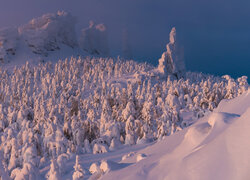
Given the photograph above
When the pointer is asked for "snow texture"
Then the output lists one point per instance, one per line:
(216, 147)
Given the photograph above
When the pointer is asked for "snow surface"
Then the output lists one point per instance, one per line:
(216, 147)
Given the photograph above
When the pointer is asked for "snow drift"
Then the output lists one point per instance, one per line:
(217, 147)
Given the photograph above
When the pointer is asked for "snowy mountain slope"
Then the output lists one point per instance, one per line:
(216, 147)
(49, 38)
(39, 38)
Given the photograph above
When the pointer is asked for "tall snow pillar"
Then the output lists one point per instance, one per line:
(171, 61)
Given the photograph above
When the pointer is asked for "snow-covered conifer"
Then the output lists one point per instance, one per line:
(78, 171)
(53, 173)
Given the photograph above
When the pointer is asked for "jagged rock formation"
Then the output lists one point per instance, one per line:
(48, 32)
(40, 36)
(172, 61)
(94, 39)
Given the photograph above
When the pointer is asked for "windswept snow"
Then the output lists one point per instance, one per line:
(216, 147)
(238, 105)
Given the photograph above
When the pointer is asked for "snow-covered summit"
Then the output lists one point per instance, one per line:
(47, 38)
(47, 33)
(171, 61)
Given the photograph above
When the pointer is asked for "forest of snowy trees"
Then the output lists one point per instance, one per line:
(95, 105)
(53, 112)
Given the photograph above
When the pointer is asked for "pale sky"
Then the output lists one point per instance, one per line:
(215, 34)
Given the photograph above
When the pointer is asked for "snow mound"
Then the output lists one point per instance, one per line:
(94, 168)
(48, 32)
(124, 157)
(140, 157)
(237, 105)
(197, 133)
(100, 148)
(107, 165)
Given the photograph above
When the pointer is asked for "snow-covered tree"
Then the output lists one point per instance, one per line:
(129, 129)
(78, 170)
(53, 173)
(30, 166)
(78, 106)
(3, 172)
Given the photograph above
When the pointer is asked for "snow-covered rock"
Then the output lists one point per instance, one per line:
(172, 61)
(47, 33)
